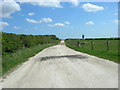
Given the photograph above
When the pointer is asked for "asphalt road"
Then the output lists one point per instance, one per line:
(61, 67)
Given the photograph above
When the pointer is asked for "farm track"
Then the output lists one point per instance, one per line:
(61, 67)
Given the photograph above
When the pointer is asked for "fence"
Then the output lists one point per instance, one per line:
(98, 45)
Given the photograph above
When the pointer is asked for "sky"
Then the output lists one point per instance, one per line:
(63, 19)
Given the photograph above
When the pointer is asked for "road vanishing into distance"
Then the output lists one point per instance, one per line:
(61, 67)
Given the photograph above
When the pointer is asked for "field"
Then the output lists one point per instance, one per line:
(107, 49)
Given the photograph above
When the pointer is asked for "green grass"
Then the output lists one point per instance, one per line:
(9, 61)
(99, 48)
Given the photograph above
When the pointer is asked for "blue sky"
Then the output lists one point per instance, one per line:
(93, 19)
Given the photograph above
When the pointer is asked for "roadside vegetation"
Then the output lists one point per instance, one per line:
(103, 48)
(16, 49)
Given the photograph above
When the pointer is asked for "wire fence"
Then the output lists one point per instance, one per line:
(97, 45)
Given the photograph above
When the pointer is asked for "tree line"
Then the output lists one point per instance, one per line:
(13, 42)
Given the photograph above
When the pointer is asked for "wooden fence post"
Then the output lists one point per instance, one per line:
(107, 43)
(92, 45)
(78, 44)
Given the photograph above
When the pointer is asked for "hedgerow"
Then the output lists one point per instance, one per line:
(13, 42)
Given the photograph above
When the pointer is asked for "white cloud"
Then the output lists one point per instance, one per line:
(16, 27)
(47, 3)
(44, 3)
(74, 2)
(45, 20)
(92, 8)
(31, 14)
(3, 24)
(8, 8)
(31, 20)
(90, 23)
(57, 24)
(50, 3)
(66, 22)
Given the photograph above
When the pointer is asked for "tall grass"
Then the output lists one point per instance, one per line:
(11, 60)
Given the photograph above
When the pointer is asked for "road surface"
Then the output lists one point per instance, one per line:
(61, 67)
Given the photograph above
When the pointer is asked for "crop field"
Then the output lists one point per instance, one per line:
(107, 49)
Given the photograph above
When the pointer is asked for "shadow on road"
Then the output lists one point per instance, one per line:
(64, 56)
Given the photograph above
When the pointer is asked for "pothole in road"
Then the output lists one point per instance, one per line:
(63, 56)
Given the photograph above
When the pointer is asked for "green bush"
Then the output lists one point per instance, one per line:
(11, 60)
(17, 49)
(12, 42)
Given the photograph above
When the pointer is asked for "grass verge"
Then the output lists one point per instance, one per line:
(11, 60)
(102, 54)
